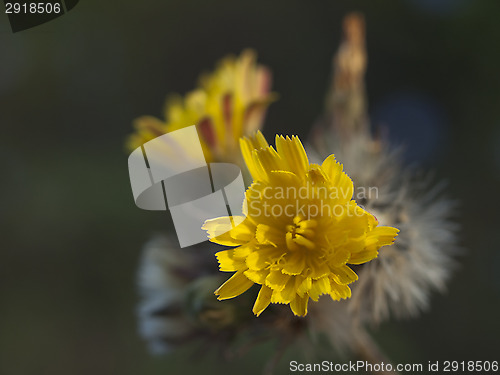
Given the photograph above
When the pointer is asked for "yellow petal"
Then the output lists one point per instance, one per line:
(277, 280)
(304, 287)
(232, 260)
(233, 287)
(319, 268)
(295, 263)
(380, 236)
(363, 256)
(289, 291)
(248, 145)
(319, 287)
(339, 291)
(341, 181)
(263, 300)
(316, 176)
(299, 305)
(262, 257)
(267, 235)
(293, 154)
(218, 230)
(148, 128)
(353, 245)
(269, 158)
(340, 256)
(301, 240)
(344, 275)
(276, 297)
(265, 161)
(258, 277)
(287, 180)
(290, 243)
(222, 231)
(259, 141)
(244, 231)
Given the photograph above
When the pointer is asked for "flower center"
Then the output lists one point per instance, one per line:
(300, 234)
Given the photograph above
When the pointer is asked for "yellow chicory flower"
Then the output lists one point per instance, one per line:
(229, 103)
(301, 231)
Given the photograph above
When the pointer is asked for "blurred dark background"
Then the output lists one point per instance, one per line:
(69, 90)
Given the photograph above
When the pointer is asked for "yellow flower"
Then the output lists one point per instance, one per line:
(229, 103)
(301, 229)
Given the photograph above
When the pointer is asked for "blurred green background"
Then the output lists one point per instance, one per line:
(69, 90)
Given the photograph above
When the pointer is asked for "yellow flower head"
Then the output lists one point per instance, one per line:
(229, 103)
(301, 229)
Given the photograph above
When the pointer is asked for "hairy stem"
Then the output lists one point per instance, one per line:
(369, 351)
